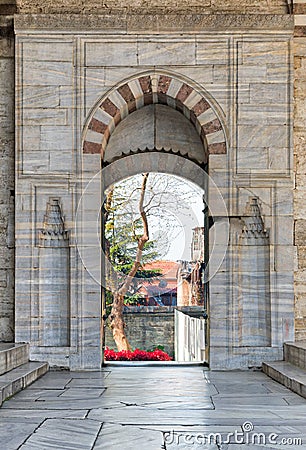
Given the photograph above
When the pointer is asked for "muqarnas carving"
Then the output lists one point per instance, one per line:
(54, 292)
(254, 314)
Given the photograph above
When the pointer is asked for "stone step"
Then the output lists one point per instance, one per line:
(19, 378)
(12, 356)
(287, 374)
(295, 353)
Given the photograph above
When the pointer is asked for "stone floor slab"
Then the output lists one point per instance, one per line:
(134, 407)
(53, 380)
(14, 432)
(118, 437)
(64, 434)
(42, 414)
(82, 393)
(149, 416)
(38, 394)
(249, 400)
(59, 403)
(89, 375)
(87, 383)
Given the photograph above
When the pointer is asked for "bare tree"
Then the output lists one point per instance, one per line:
(116, 315)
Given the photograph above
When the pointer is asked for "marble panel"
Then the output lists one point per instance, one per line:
(67, 97)
(40, 97)
(260, 53)
(51, 50)
(45, 116)
(268, 93)
(284, 257)
(283, 232)
(212, 52)
(61, 161)
(262, 136)
(159, 52)
(264, 114)
(278, 73)
(47, 73)
(91, 164)
(279, 159)
(116, 74)
(33, 163)
(56, 138)
(30, 138)
(204, 74)
(111, 53)
(252, 159)
(247, 74)
(221, 74)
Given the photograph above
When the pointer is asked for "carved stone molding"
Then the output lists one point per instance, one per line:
(253, 222)
(53, 233)
(126, 22)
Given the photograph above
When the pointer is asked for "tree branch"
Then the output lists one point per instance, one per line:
(141, 241)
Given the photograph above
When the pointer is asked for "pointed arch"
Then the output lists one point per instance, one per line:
(146, 89)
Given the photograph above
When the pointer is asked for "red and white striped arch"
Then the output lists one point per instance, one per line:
(148, 89)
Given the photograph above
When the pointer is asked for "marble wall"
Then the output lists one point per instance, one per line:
(7, 185)
(232, 83)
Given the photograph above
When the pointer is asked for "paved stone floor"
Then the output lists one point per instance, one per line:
(152, 408)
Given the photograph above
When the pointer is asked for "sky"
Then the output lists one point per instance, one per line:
(174, 207)
(185, 218)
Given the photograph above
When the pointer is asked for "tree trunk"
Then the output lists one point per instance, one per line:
(117, 323)
(116, 315)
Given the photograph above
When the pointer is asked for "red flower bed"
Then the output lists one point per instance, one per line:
(136, 355)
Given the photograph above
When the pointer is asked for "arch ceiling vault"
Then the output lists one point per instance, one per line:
(152, 88)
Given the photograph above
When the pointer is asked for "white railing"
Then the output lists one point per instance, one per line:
(189, 338)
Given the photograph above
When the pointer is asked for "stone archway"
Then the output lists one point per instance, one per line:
(154, 87)
(95, 264)
(55, 161)
(152, 94)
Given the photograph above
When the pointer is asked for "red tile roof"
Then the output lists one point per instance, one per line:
(169, 275)
(167, 268)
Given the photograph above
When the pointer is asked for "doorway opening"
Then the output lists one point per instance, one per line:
(153, 123)
(155, 301)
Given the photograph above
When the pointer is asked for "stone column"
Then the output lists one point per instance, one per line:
(54, 277)
(254, 314)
